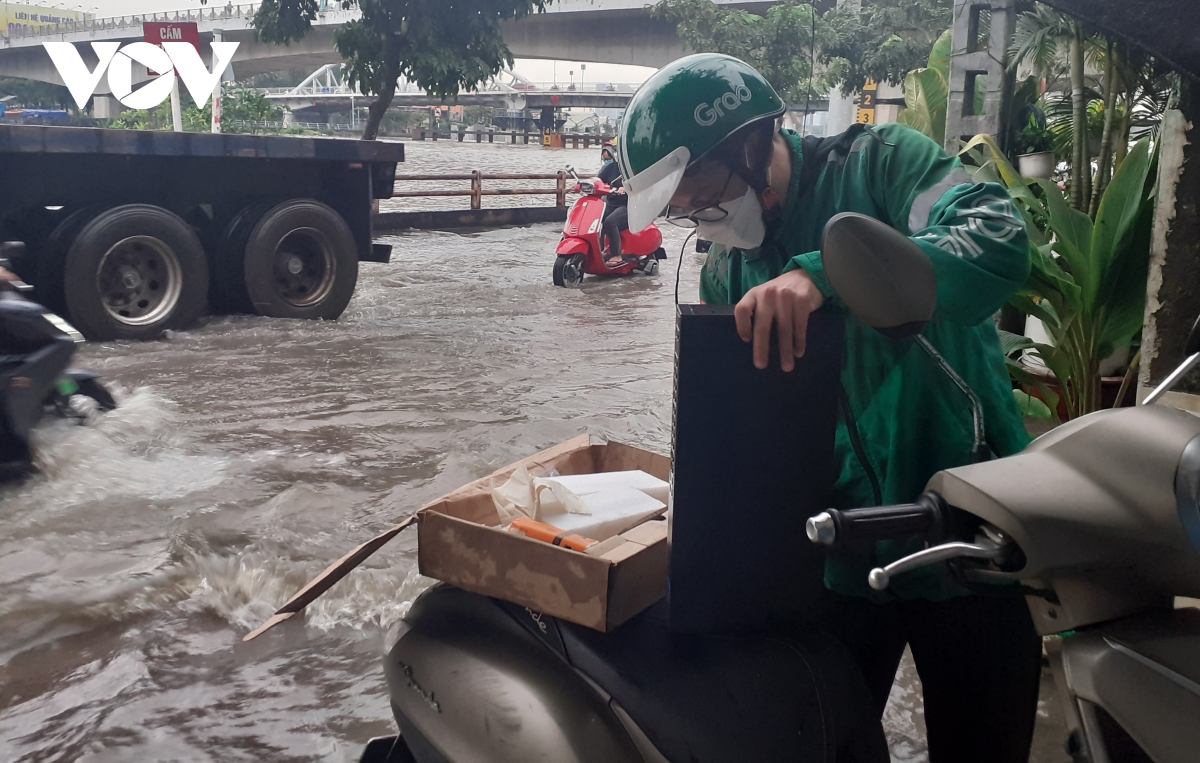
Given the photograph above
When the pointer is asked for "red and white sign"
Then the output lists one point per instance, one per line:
(158, 32)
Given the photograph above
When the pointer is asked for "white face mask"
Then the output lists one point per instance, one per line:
(743, 227)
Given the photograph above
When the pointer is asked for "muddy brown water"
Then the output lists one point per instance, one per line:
(248, 453)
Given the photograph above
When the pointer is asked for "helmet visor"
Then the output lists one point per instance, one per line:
(651, 189)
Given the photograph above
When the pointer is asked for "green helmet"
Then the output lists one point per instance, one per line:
(686, 109)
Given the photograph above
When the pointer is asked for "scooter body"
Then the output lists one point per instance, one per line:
(474, 679)
(36, 348)
(582, 251)
(1105, 513)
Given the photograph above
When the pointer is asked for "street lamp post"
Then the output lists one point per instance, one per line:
(218, 36)
(582, 69)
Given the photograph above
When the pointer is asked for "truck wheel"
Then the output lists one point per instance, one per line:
(52, 258)
(133, 272)
(228, 288)
(301, 261)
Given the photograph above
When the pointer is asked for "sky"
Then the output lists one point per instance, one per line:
(536, 70)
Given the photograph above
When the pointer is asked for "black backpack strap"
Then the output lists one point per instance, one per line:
(815, 154)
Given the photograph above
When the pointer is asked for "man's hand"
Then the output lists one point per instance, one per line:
(8, 276)
(786, 301)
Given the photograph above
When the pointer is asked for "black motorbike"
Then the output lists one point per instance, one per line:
(36, 380)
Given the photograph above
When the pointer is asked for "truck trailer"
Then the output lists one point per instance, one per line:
(130, 233)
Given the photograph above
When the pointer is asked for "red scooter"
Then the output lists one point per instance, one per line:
(580, 251)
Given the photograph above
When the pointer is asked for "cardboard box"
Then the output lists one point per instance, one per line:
(460, 542)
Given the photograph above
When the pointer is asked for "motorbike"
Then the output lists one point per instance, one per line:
(36, 380)
(582, 252)
(1097, 523)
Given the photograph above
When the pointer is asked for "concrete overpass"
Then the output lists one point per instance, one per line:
(618, 31)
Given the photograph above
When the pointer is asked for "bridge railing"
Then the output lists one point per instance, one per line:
(213, 13)
(477, 191)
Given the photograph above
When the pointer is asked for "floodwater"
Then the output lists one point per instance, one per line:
(248, 453)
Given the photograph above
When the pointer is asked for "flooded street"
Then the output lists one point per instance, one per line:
(248, 453)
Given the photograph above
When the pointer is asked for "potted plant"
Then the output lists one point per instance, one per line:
(1087, 284)
(1035, 147)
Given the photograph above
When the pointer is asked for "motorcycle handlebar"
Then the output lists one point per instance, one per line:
(924, 518)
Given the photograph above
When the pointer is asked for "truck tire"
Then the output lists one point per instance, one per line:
(228, 286)
(52, 258)
(300, 262)
(133, 272)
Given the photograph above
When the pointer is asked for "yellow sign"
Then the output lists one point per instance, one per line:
(18, 18)
(866, 103)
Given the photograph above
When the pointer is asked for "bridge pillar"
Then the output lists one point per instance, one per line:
(106, 107)
(546, 120)
(289, 118)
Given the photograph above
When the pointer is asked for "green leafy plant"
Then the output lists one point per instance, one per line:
(1088, 279)
(926, 93)
(1035, 137)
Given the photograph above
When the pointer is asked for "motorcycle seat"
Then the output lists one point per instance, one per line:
(717, 698)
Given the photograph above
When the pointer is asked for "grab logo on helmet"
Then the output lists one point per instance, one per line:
(708, 113)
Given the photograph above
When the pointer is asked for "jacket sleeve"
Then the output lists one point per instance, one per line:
(973, 233)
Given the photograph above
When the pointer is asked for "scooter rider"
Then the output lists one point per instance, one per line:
(616, 216)
(700, 138)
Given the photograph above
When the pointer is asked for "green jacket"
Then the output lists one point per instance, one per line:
(913, 420)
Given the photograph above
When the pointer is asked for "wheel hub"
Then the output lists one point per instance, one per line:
(130, 279)
(139, 280)
(305, 268)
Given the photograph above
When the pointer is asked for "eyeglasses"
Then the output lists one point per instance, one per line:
(709, 213)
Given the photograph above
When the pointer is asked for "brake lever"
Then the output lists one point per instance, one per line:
(880, 577)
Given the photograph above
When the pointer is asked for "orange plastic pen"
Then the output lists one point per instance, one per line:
(550, 534)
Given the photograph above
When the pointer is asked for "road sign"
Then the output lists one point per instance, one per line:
(866, 103)
(158, 32)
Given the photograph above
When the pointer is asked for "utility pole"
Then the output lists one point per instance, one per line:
(216, 96)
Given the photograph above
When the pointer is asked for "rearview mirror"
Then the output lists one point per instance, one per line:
(880, 274)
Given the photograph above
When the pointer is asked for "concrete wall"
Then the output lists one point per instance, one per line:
(1173, 299)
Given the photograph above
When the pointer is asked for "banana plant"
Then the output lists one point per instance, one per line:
(927, 92)
(1088, 279)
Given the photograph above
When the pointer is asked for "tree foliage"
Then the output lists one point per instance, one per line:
(238, 104)
(35, 95)
(1101, 94)
(443, 46)
(883, 41)
(779, 45)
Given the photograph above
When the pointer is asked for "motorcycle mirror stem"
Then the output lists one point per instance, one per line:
(1192, 357)
(885, 279)
(571, 170)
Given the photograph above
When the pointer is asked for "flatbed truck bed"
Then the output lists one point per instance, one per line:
(133, 232)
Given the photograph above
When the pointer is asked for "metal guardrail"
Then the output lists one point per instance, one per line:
(268, 124)
(514, 136)
(214, 13)
(477, 191)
